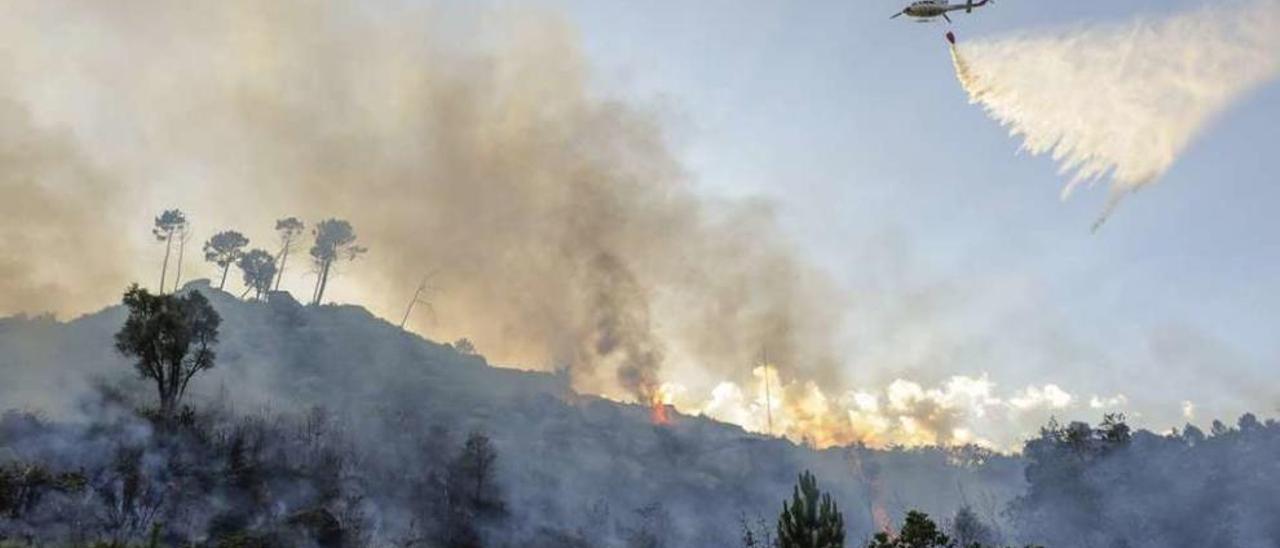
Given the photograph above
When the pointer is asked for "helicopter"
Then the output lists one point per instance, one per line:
(926, 10)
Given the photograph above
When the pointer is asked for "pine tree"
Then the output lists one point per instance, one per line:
(289, 229)
(335, 240)
(259, 269)
(169, 223)
(917, 532)
(224, 249)
(812, 520)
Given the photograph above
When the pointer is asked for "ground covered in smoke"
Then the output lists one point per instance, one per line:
(327, 426)
(341, 411)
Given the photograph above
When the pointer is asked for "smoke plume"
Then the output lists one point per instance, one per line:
(50, 194)
(456, 140)
(1121, 102)
(452, 137)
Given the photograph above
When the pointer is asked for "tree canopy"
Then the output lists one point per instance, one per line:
(224, 249)
(259, 269)
(334, 240)
(172, 339)
(288, 228)
(812, 520)
(168, 223)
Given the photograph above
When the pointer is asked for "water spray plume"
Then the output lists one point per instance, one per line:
(1122, 102)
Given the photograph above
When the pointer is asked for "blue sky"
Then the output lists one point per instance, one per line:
(855, 127)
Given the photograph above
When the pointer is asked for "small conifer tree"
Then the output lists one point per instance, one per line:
(812, 520)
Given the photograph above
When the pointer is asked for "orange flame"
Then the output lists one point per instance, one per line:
(879, 514)
(660, 407)
(659, 414)
(875, 490)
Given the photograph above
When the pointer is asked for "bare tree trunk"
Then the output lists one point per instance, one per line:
(168, 243)
(284, 256)
(166, 407)
(408, 310)
(324, 281)
(417, 294)
(182, 251)
(224, 276)
(160, 390)
(168, 403)
(315, 290)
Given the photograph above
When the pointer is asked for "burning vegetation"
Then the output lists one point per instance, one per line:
(455, 453)
(566, 233)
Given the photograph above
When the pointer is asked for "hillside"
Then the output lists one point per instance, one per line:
(567, 464)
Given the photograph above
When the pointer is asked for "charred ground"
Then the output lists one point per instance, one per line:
(324, 425)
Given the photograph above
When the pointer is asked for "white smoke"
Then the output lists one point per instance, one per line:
(1121, 102)
(959, 410)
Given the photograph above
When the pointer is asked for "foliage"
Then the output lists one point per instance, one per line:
(1090, 486)
(224, 249)
(172, 339)
(131, 498)
(812, 520)
(473, 497)
(288, 228)
(334, 241)
(464, 346)
(967, 530)
(918, 531)
(384, 471)
(168, 223)
(259, 269)
(23, 485)
(198, 480)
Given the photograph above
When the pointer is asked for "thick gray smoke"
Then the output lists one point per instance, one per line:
(565, 233)
(1122, 102)
(50, 195)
